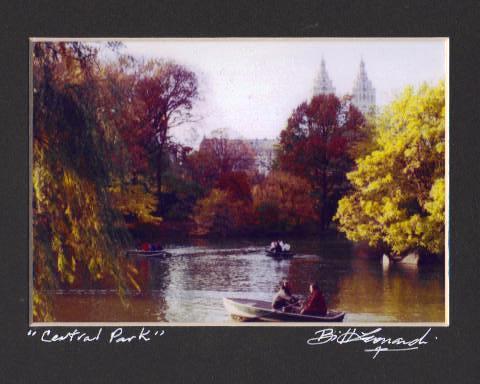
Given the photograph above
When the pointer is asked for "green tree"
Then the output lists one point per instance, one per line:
(398, 197)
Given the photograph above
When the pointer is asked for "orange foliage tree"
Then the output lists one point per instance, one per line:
(220, 214)
(237, 185)
(283, 202)
(224, 165)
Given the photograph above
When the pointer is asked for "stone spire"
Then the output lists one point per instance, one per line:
(363, 93)
(323, 84)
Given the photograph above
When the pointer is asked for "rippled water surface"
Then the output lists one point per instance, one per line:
(189, 286)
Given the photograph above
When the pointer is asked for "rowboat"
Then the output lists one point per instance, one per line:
(139, 252)
(279, 254)
(258, 310)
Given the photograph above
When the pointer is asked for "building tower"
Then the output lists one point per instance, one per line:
(323, 84)
(363, 94)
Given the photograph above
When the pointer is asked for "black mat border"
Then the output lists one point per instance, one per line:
(208, 354)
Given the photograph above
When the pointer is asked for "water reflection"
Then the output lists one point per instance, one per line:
(398, 293)
(189, 286)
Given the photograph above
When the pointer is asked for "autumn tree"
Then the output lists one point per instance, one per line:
(77, 232)
(317, 145)
(398, 199)
(283, 202)
(220, 155)
(220, 214)
(180, 190)
(167, 92)
(237, 184)
(133, 190)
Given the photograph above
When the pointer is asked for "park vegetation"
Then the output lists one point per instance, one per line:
(105, 163)
(397, 199)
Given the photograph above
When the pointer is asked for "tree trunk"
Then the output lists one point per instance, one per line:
(162, 141)
(159, 181)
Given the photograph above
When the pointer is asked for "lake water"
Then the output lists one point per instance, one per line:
(189, 286)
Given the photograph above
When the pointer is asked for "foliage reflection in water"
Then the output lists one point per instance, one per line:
(189, 286)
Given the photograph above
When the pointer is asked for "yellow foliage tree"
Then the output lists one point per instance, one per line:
(135, 200)
(77, 232)
(398, 197)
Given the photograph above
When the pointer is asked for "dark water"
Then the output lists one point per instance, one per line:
(189, 286)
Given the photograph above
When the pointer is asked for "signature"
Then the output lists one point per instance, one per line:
(378, 343)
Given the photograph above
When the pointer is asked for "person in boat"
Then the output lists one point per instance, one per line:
(286, 247)
(156, 247)
(284, 300)
(145, 246)
(315, 303)
(278, 247)
(273, 244)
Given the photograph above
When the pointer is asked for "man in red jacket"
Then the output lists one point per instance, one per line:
(315, 304)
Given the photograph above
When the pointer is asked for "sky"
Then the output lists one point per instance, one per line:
(251, 86)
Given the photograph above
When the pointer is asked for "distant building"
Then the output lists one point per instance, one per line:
(263, 149)
(322, 84)
(363, 92)
(264, 153)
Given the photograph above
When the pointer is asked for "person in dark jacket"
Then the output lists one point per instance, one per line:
(315, 303)
(278, 247)
(284, 300)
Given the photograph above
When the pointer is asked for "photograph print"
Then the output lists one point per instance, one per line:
(278, 181)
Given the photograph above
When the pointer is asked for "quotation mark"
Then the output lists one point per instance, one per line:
(31, 333)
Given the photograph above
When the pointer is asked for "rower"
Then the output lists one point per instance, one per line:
(284, 300)
(278, 247)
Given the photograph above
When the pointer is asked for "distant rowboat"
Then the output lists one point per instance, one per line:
(138, 252)
(280, 254)
(257, 310)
